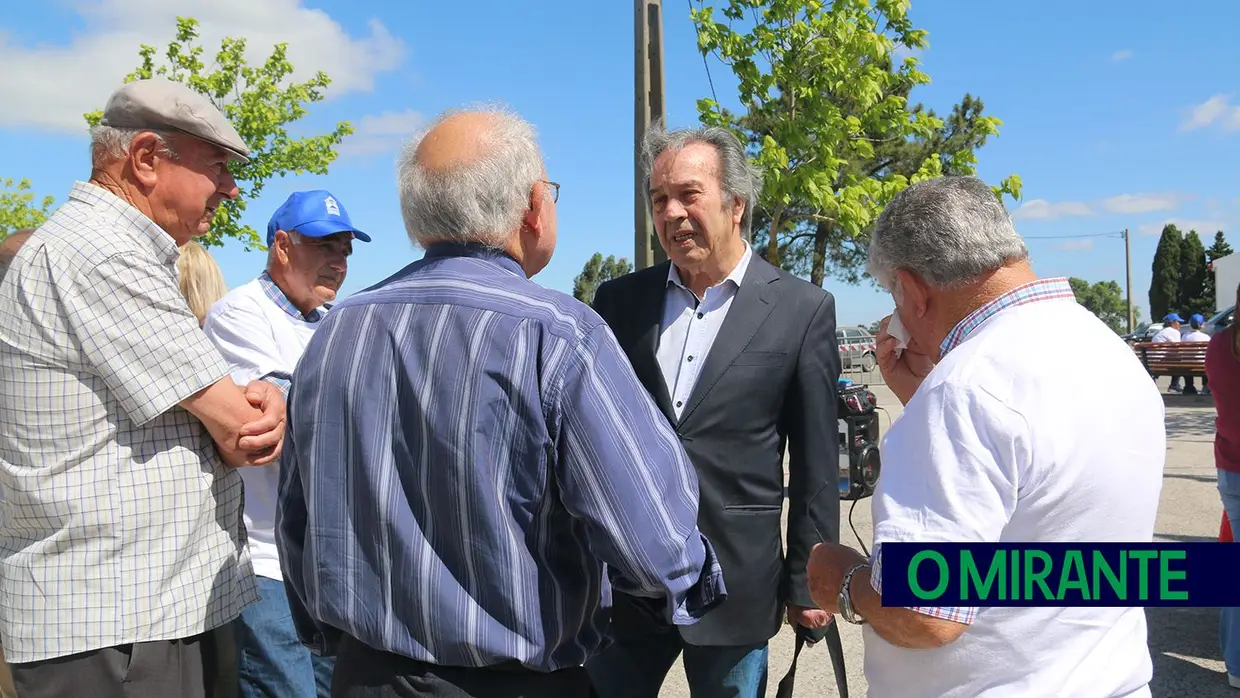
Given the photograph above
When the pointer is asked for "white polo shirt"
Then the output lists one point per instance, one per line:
(261, 335)
(989, 449)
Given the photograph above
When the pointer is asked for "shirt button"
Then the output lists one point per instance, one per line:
(690, 358)
(679, 403)
(700, 316)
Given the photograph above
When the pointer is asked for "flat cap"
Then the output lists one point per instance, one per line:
(159, 104)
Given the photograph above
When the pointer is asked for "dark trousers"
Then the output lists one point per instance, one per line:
(365, 672)
(187, 668)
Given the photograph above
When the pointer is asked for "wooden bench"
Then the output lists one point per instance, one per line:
(1173, 358)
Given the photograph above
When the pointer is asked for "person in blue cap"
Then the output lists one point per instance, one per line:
(1195, 334)
(1170, 333)
(262, 328)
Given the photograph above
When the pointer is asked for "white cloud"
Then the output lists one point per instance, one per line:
(1203, 227)
(1142, 203)
(51, 86)
(1218, 109)
(1075, 245)
(375, 134)
(1041, 209)
(1122, 55)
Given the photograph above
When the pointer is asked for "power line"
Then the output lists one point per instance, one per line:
(1118, 234)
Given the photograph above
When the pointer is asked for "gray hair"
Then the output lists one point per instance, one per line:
(949, 230)
(739, 178)
(478, 201)
(108, 143)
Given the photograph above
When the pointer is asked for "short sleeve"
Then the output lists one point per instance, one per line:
(951, 474)
(137, 333)
(243, 336)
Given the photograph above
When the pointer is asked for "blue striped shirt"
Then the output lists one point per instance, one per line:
(465, 452)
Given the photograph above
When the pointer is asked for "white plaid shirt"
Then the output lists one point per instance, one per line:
(120, 523)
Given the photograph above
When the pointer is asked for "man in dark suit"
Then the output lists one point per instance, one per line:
(742, 359)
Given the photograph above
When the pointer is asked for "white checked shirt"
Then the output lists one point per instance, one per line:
(120, 522)
(689, 328)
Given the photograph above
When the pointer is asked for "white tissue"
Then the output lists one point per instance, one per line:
(896, 329)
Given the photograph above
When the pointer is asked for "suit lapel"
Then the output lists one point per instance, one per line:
(648, 321)
(750, 307)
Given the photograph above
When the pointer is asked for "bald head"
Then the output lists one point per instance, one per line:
(11, 244)
(468, 178)
(457, 141)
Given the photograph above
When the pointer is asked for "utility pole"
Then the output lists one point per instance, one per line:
(1128, 277)
(649, 103)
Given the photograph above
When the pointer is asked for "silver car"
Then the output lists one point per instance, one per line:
(857, 348)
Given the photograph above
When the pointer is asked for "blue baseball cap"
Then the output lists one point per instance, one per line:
(1173, 317)
(1197, 320)
(314, 214)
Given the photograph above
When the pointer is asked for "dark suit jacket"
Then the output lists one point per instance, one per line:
(769, 380)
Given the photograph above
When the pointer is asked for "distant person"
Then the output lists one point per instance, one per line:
(1171, 333)
(984, 453)
(471, 456)
(1195, 335)
(120, 427)
(202, 282)
(1223, 371)
(262, 328)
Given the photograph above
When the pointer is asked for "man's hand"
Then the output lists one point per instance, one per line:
(828, 563)
(263, 438)
(904, 373)
(812, 618)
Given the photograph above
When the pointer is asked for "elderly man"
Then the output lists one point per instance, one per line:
(262, 328)
(984, 453)
(123, 545)
(467, 450)
(741, 359)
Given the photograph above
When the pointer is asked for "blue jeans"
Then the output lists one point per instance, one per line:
(636, 667)
(1229, 618)
(271, 661)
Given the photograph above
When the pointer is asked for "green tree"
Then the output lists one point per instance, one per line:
(827, 119)
(596, 271)
(1218, 250)
(1193, 277)
(19, 208)
(260, 101)
(1104, 299)
(1165, 273)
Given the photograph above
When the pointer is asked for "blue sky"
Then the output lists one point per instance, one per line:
(1116, 115)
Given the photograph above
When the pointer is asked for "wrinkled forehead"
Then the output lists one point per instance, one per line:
(695, 163)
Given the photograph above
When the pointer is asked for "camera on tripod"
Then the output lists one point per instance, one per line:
(859, 459)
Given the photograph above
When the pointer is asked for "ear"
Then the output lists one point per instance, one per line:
(143, 152)
(281, 243)
(532, 221)
(738, 210)
(914, 292)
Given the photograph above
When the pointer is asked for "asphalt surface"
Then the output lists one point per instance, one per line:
(1183, 642)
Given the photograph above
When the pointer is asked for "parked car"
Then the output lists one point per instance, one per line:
(857, 348)
(1220, 321)
(1144, 334)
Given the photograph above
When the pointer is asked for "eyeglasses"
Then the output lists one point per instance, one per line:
(555, 190)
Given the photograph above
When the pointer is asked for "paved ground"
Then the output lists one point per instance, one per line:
(1184, 642)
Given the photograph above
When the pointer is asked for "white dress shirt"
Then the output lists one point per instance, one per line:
(261, 335)
(983, 452)
(690, 326)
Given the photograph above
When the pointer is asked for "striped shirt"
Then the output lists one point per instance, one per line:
(121, 524)
(466, 450)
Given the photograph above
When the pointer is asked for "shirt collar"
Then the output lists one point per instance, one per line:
(146, 231)
(1032, 292)
(277, 296)
(443, 250)
(736, 277)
